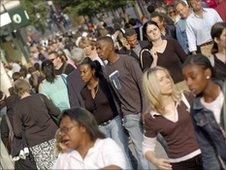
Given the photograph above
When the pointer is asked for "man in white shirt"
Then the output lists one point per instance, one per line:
(198, 26)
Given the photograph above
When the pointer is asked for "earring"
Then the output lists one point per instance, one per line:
(207, 77)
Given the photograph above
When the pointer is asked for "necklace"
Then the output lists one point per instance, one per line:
(94, 91)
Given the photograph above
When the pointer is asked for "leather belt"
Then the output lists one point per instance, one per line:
(207, 43)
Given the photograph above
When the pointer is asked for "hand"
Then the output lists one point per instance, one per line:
(155, 58)
(154, 54)
(162, 163)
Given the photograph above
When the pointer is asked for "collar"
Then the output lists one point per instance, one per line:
(194, 14)
(154, 113)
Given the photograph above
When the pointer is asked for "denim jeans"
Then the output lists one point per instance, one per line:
(115, 131)
(133, 125)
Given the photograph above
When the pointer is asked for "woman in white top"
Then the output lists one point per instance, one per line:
(169, 116)
(87, 147)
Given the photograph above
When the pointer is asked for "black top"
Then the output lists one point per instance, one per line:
(101, 106)
(66, 68)
(31, 115)
(219, 68)
(172, 59)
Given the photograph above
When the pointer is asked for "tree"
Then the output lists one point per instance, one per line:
(93, 7)
(37, 11)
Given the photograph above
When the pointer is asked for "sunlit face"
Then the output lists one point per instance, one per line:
(195, 77)
(71, 133)
(86, 73)
(158, 22)
(165, 84)
(196, 5)
(182, 10)
(153, 32)
(55, 59)
(88, 50)
(132, 40)
(222, 40)
(103, 50)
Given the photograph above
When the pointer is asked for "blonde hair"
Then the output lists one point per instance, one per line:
(21, 86)
(152, 91)
(59, 148)
(84, 42)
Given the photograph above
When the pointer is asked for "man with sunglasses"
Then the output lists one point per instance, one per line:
(60, 64)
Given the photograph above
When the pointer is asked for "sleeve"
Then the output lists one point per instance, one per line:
(74, 96)
(149, 130)
(148, 144)
(4, 129)
(180, 37)
(191, 37)
(113, 154)
(17, 122)
(55, 111)
(217, 16)
(180, 52)
(137, 74)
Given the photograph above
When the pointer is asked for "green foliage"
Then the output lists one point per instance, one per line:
(92, 7)
(33, 7)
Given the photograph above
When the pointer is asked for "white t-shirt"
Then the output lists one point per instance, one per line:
(105, 152)
(215, 106)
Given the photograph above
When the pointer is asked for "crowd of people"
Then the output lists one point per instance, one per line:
(102, 99)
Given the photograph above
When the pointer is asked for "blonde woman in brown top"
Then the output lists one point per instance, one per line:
(168, 116)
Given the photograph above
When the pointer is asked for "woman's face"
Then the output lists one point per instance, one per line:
(222, 40)
(71, 133)
(165, 84)
(153, 32)
(86, 73)
(88, 50)
(196, 78)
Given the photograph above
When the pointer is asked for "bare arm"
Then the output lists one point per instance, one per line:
(160, 163)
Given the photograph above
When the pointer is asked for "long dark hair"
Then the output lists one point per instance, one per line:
(200, 60)
(145, 31)
(216, 32)
(48, 70)
(84, 118)
(103, 83)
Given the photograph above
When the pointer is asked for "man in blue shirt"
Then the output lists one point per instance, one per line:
(183, 10)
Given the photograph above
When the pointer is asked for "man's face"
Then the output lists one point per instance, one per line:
(196, 5)
(56, 60)
(103, 49)
(132, 40)
(182, 10)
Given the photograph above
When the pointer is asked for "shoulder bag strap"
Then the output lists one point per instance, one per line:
(141, 57)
